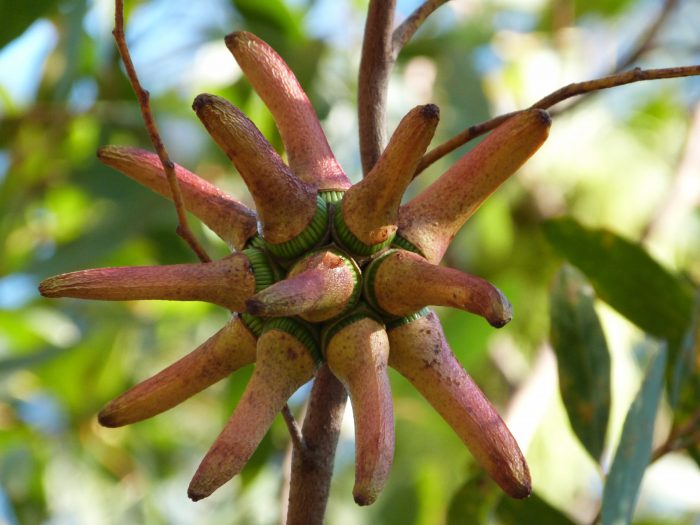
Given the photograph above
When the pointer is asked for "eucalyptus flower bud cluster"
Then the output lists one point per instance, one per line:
(322, 271)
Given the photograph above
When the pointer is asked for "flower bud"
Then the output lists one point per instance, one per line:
(319, 287)
(432, 219)
(229, 349)
(366, 220)
(284, 362)
(421, 354)
(229, 219)
(400, 282)
(285, 205)
(227, 282)
(310, 157)
(356, 350)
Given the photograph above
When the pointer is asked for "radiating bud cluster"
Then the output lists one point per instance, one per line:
(322, 271)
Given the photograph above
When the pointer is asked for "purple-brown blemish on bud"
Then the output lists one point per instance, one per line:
(227, 282)
(405, 282)
(282, 365)
(231, 220)
(310, 156)
(357, 355)
(420, 353)
(319, 287)
(229, 349)
(285, 205)
(371, 207)
(431, 220)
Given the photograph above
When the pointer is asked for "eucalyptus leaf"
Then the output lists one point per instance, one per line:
(634, 451)
(625, 276)
(583, 358)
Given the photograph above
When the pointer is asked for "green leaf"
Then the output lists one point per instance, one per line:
(531, 511)
(634, 451)
(273, 14)
(625, 276)
(582, 358)
(684, 364)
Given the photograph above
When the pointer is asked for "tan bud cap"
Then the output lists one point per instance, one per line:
(357, 355)
(371, 207)
(228, 218)
(420, 353)
(282, 365)
(405, 282)
(431, 220)
(227, 282)
(229, 349)
(319, 287)
(310, 156)
(285, 205)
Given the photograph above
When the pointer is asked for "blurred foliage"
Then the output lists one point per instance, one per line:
(611, 166)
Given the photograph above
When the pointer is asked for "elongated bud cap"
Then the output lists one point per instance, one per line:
(227, 282)
(310, 157)
(356, 350)
(370, 209)
(432, 219)
(284, 362)
(400, 282)
(229, 349)
(420, 353)
(321, 286)
(284, 204)
(229, 219)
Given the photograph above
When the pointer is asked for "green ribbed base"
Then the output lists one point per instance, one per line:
(299, 329)
(265, 271)
(310, 237)
(348, 240)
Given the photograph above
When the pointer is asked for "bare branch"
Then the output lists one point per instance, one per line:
(571, 90)
(405, 31)
(375, 67)
(143, 97)
(647, 39)
(312, 470)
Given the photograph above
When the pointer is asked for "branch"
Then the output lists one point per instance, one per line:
(313, 468)
(143, 96)
(294, 432)
(375, 67)
(646, 40)
(408, 27)
(571, 90)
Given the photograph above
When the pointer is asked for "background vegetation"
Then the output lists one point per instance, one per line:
(617, 184)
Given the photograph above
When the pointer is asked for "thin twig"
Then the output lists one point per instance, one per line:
(294, 430)
(143, 96)
(312, 471)
(566, 92)
(644, 44)
(373, 80)
(405, 31)
(647, 39)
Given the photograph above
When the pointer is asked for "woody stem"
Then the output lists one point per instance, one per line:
(183, 229)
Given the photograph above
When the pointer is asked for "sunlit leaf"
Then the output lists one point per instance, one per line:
(634, 451)
(582, 357)
(625, 276)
